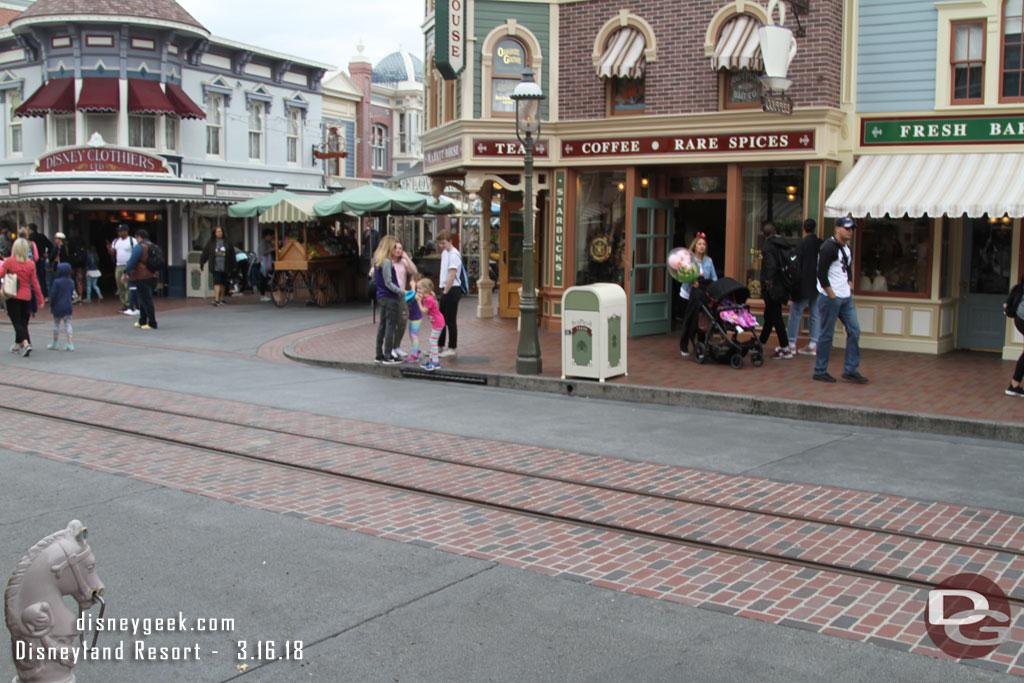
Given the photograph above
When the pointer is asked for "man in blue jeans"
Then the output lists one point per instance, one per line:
(137, 270)
(835, 301)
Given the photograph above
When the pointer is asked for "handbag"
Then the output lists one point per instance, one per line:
(10, 288)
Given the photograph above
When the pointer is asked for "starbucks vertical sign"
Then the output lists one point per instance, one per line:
(450, 30)
(559, 245)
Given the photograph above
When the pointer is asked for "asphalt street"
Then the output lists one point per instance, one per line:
(368, 609)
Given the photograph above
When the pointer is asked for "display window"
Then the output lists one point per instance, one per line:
(770, 194)
(600, 227)
(893, 255)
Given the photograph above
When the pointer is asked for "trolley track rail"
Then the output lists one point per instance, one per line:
(422, 490)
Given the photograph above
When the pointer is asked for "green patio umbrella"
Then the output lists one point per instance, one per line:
(257, 205)
(371, 199)
(442, 205)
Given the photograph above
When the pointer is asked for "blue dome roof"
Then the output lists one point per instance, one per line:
(398, 67)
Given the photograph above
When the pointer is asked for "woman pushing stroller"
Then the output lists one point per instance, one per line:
(694, 295)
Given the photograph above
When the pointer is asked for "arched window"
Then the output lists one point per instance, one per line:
(1012, 75)
(623, 65)
(737, 58)
(509, 59)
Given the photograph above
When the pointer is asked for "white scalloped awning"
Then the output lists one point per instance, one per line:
(738, 46)
(624, 56)
(932, 184)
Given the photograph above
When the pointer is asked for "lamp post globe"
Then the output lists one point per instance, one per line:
(528, 96)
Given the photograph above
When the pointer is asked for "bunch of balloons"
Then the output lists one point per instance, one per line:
(682, 266)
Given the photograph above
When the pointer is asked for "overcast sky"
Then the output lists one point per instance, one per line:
(323, 30)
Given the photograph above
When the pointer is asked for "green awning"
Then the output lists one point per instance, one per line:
(371, 199)
(440, 205)
(258, 205)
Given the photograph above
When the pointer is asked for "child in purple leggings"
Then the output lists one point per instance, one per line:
(415, 318)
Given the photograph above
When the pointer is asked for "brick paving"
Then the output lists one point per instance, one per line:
(819, 600)
(961, 384)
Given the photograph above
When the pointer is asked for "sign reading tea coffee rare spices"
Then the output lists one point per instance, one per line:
(450, 31)
(942, 130)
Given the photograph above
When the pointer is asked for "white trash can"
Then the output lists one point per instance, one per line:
(594, 331)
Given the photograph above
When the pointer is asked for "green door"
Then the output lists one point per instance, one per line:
(984, 284)
(650, 305)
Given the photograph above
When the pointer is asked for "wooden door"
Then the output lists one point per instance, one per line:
(510, 266)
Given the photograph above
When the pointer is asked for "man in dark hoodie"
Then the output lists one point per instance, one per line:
(774, 297)
(61, 295)
(145, 280)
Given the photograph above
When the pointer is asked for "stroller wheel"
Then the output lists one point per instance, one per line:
(700, 352)
(736, 361)
(756, 359)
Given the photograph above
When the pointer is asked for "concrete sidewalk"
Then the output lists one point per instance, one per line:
(959, 393)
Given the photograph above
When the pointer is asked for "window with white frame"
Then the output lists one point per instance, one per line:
(63, 130)
(102, 123)
(14, 146)
(967, 61)
(294, 136)
(379, 147)
(170, 134)
(215, 124)
(257, 119)
(142, 131)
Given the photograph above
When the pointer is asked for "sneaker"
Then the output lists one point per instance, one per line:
(684, 354)
(413, 358)
(855, 377)
(265, 299)
(1015, 391)
(447, 353)
(146, 327)
(430, 366)
(782, 353)
(379, 359)
(69, 347)
(399, 353)
(25, 350)
(138, 324)
(53, 346)
(809, 350)
(824, 377)
(15, 348)
(133, 311)
(391, 361)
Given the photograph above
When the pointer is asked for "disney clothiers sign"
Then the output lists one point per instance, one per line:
(100, 159)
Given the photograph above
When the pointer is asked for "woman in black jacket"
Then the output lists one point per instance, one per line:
(221, 255)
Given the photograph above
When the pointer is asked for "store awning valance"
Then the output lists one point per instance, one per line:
(53, 97)
(146, 97)
(184, 106)
(260, 205)
(99, 95)
(624, 56)
(738, 46)
(290, 211)
(932, 184)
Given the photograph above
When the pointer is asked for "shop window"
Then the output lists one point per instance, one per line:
(104, 124)
(740, 88)
(991, 255)
(600, 227)
(14, 144)
(510, 58)
(379, 147)
(142, 131)
(968, 61)
(770, 194)
(402, 132)
(215, 124)
(170, 134)
(63, 131)
(1012, 76)
(893, 255)
(294, 134)
(257, 121)
(625, 96)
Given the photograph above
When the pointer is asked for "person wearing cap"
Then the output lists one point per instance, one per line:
(121, 250)
(58, 255)
(835, 301)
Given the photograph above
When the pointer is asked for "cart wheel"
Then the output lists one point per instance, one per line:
(700, 352)
(736, 361)
(756, 359)
(321, 288)
(282, 289)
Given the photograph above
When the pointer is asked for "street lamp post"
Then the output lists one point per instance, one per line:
(527, 96)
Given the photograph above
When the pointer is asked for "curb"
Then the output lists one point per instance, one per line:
(688, 398)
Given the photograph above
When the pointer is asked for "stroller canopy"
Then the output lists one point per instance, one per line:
(726, 286)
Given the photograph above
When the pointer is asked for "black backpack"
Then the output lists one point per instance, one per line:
(787, 274)
(154, 258)
(1013, 301)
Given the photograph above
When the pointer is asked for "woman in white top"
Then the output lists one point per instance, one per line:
(699, 249)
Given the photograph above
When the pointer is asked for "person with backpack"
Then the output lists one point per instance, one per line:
(143, 265)
(121, 250)
(453, 285)
(835, 302)
(805, 294)
(777, 265)
(1015, 310)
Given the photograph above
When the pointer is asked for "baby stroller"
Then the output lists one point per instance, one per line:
(724, 317)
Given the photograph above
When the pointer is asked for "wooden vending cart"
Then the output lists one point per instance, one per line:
(314, 262)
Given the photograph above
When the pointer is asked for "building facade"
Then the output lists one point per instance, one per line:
(135, 114)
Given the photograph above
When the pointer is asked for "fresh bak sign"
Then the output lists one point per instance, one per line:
(450, 31)
(103, 159)
(691, 144)
(936, 131)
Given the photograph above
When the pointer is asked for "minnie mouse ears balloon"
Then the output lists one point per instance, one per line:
(682, 267)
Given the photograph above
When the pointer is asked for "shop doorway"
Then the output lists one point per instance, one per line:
(693, 216)
(94, 227)
(650, 307)
(984, 284)
(510, 269)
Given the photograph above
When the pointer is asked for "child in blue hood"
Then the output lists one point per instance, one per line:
(61, 294)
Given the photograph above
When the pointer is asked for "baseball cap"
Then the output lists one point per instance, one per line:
(122, 226)
(61, 236)
(846, 222)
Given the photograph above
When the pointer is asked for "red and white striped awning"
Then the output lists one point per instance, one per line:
(624, 56)
(932, 184)
(738, 46)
